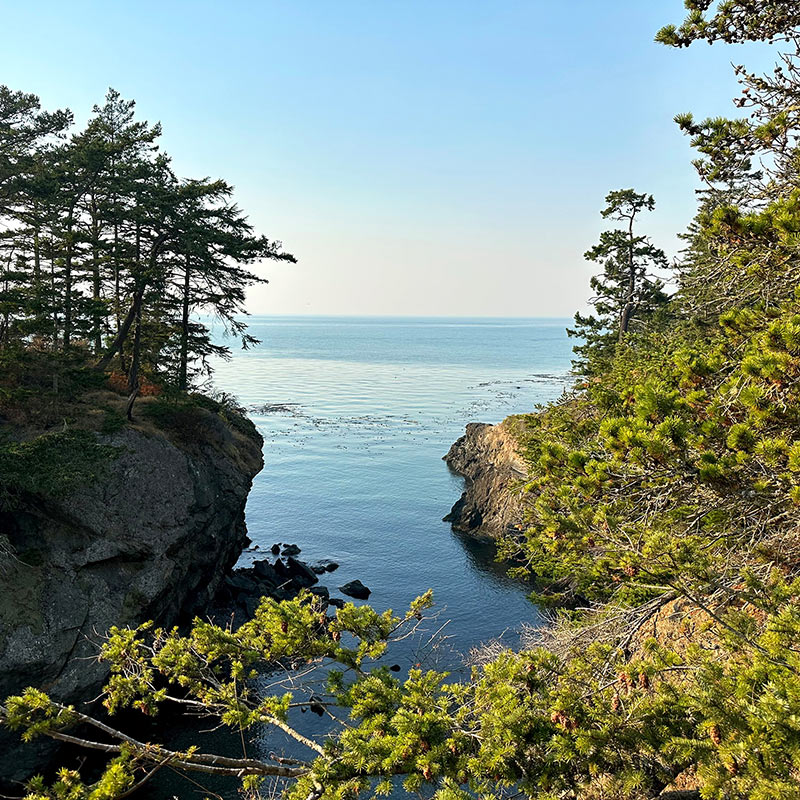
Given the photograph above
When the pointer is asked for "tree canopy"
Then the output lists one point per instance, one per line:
(628, 292)
(733, 21)
(105, 250)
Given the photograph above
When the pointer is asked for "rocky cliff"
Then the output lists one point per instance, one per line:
(151, 539)
(487, 458)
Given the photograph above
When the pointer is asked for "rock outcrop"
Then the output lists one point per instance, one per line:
(486, 456)
(152, 539)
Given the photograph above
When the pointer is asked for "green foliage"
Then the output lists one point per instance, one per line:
(107, 252)
(652, 476)
(663, 498)
(51, 465)
(213, 668)
(551, 725)
(195, 419)
(627, 294)
(732, 21)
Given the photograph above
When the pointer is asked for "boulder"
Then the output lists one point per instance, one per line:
(300, 572)
(265, 571)
(281, 570)
(241, 583)
(355, 589)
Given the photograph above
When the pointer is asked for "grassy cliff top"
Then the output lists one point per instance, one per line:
(59, 417)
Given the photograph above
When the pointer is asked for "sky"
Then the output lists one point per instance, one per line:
(419, 157)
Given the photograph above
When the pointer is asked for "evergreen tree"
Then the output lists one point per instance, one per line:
(734, 21)
(104, 250)
(663, 501)
(123, 146)
(28, 137)
(627, 293)
(216, 242)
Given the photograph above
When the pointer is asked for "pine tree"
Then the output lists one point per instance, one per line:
(28, 137)
(734, 21)
(627, 293)
(104, 250)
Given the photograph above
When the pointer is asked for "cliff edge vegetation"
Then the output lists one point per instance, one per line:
(661, 507)
(107, 255)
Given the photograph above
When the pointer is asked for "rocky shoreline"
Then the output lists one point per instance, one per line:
(158, 539)
(281, 577)
(486, 456)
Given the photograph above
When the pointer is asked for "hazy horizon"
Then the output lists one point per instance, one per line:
(419, 159)
(408, 316)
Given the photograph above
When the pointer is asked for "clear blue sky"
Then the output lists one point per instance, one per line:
(418, 156)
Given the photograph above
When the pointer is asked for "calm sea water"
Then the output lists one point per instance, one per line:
(359, 412)
(356, 414)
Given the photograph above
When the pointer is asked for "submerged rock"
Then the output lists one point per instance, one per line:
(326, 565)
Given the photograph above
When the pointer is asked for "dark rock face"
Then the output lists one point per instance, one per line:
(355, 589)
(486, 456)
(301, 572)
(153, 539)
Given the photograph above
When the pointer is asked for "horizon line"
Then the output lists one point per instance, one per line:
(401, 316)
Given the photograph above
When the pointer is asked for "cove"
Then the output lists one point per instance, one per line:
(356, 414)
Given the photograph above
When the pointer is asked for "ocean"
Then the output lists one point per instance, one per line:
(356, 414)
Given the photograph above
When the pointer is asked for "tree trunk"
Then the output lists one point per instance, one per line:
(37, 262)
(53, 298)
(68, 285)
(117, 300)
(122, 333)
(133, 375)
(184, 362)
(4, 326)
(627, 309)
(135, 311)
(96, 321)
